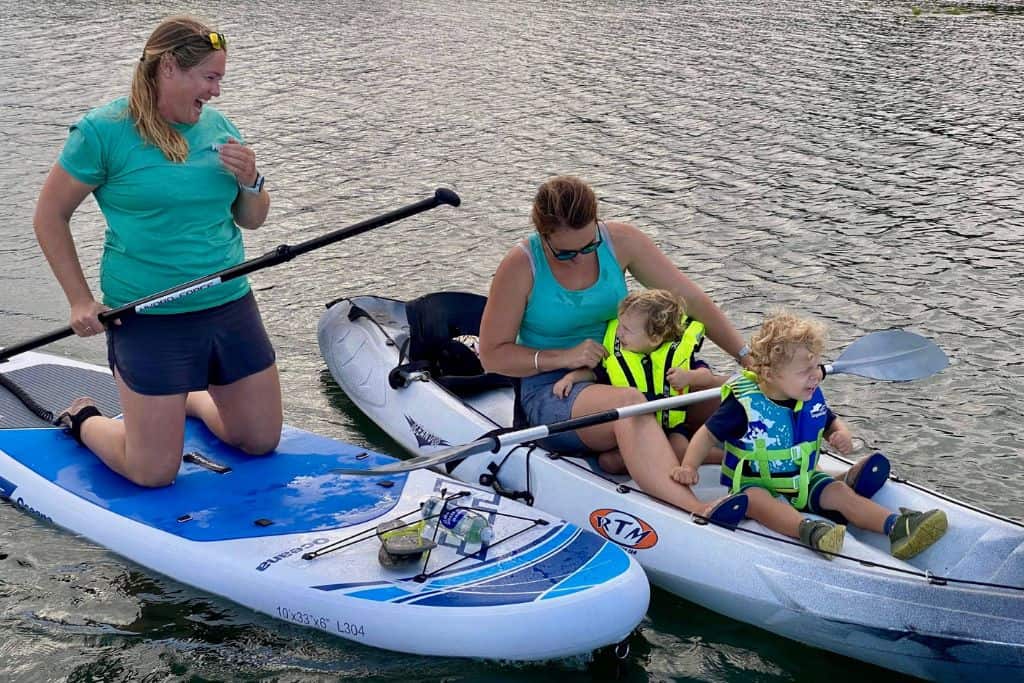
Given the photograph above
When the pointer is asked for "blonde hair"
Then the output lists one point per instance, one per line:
(564, 201)
(187, 42)
(663, 313)
(781, 335)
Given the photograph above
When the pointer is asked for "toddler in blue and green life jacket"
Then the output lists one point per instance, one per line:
(771, 424)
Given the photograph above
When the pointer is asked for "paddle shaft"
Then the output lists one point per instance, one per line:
(846, 364)
(278, 255)
(498, 441)
(540, 431)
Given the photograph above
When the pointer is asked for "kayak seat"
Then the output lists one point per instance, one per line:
(435, 320)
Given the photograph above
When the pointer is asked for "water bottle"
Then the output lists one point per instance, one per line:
(466, 524)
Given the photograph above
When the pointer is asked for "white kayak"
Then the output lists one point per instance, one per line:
(288, 536)
(954, 612)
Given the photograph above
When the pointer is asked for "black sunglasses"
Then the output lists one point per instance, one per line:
(570, 254)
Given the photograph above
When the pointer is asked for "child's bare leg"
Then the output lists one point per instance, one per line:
(860, 512)
(773, 513)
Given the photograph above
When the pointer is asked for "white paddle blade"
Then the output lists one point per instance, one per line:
(894, 355)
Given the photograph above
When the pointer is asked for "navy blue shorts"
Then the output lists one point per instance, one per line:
(161, 355)
(541, 406)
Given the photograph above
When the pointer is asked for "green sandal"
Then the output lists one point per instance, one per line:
(915, 531)
(823, 537)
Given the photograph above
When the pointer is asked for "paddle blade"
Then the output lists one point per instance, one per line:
(895, 355)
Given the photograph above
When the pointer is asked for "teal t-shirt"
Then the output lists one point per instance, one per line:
(167, 223)
(560, 318)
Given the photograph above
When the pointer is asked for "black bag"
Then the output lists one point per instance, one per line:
(434, 322)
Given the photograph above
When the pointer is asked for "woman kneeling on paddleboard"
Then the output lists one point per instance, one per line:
(550, 300)
(175, 182)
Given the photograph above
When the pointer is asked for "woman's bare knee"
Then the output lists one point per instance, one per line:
(150, 474)
(259, 444)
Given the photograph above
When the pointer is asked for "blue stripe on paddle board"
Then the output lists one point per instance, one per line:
(609, 562)
(548, 542)
(294, 487)
(560, 563)
(534, 581)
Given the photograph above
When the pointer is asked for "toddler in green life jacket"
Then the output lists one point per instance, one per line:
(652, 346)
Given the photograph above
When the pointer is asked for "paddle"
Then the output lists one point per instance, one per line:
(280, 254)
(891, 354)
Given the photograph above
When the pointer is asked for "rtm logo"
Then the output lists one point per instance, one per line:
(623, 528)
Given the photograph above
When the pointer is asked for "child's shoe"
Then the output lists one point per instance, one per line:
(915, 531)
(824, 537)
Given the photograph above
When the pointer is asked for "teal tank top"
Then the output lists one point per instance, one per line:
(560, 318)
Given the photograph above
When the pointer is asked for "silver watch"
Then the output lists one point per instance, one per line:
(256, 187)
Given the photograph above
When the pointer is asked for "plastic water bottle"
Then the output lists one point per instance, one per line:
(466, 524)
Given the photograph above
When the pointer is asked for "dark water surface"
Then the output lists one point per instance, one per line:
(852, 160)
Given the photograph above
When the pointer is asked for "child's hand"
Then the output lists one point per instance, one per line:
(562, 387)
(686, 475)
(680, 379)
(841, 441)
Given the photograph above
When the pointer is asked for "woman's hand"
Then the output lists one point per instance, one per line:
(587, 354)
(240, 160)
(85, 319)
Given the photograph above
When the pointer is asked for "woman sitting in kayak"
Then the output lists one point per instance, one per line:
(652, 346)
(550, 300)
(771, 426)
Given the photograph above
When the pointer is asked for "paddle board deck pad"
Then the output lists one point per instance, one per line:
(286, 535)
(967, 625)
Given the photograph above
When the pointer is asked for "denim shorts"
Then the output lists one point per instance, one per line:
(541, 406)
(161, 355)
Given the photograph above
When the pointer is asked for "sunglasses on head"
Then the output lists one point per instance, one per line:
(218, 41)
(570, 254)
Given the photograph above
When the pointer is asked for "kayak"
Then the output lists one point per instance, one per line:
(954, 612)
(286, 535)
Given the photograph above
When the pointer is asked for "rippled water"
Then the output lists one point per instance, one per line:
(853, 160)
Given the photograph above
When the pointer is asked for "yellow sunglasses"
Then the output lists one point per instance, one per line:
(218, 41)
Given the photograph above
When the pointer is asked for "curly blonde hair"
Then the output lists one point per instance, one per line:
(663, 313)
(564, 201)
(781, 335)
(187, 42)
